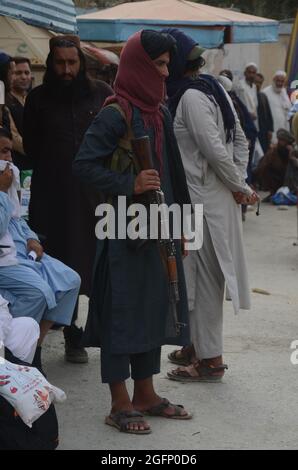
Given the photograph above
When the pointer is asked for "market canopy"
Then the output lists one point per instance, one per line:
(54, 15)
(210, 26)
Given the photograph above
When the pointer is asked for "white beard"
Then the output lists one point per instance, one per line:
(277, 89)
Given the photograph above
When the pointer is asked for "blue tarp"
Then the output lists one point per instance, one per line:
(255, 32)
(206, 35)
(120, 30)
(54, 15)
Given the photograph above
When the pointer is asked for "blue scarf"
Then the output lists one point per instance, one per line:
(178, 84)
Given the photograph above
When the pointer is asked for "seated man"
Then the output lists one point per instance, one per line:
(35, 284)
(19, 335)
(271, 171)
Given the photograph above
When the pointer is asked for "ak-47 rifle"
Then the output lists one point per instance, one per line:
(142, 151)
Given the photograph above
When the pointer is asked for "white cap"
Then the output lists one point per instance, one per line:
(280, 73)
(251, 64)
(225, 82)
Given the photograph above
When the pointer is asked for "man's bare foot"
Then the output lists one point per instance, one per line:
(128, 408)
(157, 406)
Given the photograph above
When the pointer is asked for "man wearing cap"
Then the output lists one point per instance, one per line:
(248, 94)
(247, 90)
(56, 117)
(279, 102)
(272, 168)
(215, 154)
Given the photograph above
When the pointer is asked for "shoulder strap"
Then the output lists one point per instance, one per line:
(125, 141)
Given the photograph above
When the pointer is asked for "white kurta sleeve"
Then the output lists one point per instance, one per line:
(199, 115)
(241, 151)
(5, 319)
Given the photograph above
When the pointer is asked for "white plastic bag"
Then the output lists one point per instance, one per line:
(27, 390)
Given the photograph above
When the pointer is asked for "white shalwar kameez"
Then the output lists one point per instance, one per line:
(214, 169)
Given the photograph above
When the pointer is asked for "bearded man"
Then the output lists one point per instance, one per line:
(272, 169)
(56, 117)
(279, 102)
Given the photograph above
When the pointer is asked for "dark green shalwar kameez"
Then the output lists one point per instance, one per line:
(129, 315)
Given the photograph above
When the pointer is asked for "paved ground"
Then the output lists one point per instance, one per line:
(256, 405)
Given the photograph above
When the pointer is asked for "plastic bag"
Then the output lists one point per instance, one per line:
(284, 197)
(27, 390)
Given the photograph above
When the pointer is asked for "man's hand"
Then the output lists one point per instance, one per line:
(242, 198)
(34, 245)
(253, 116)
(6, 179)
(147, 180)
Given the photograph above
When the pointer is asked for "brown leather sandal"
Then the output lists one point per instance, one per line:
(159, 410)
(182, 357)
(121, 419)
(201, 371)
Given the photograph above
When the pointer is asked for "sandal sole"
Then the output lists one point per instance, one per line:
(186, 417)
(194, 379)
(179, 363)
(110, 422)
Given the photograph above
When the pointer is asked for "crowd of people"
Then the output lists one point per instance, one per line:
(213, 142)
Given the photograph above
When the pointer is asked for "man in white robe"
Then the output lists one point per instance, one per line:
(215, 154)
(279, 102)
(247, 91)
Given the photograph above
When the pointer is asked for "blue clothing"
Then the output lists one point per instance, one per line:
(130, 310)
(47, 289)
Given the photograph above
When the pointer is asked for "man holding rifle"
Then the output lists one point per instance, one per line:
(137, 286)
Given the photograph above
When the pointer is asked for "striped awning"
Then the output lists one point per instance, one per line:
(55, 15)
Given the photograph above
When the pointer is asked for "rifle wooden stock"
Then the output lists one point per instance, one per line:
(142, 150)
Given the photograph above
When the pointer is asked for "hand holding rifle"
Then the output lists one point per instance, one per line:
(148, 181)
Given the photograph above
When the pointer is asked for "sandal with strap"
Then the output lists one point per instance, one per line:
(159, 410)
(121, 419)
(201, 371)
(182, 357)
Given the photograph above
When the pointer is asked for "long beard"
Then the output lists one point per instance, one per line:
(68, 89)
(277, 89)
(283, 153)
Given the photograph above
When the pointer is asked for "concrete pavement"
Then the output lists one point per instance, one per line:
(255, 406)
